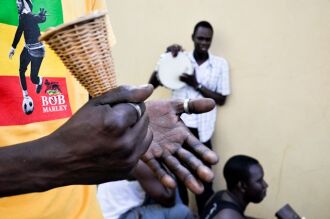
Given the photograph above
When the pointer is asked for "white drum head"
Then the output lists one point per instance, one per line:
(170, 68)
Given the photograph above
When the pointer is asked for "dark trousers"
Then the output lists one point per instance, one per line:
(201, 199)
(25, 60)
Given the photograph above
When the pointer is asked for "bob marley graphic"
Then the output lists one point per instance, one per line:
(33, 51)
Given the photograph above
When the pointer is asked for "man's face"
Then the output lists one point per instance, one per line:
(256, 186)
(19, 5)
(202, 39)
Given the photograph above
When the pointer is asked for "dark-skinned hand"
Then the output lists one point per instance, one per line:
(169, 134)
(189, 79)
(42, 12)
(103, 141)
(174, 49)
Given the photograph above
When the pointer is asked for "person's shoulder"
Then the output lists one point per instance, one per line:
(218, 59)
(216, 197)
(228, 214)
(219, 193)
(212, 204)
(189, 54)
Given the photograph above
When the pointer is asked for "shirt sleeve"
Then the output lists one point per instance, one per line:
(101, 5)
(223, 86)
(18, 34)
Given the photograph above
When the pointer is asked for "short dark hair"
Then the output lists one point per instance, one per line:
(237, 169)
(205, 24)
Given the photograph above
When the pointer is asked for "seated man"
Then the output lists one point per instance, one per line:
(245, 184)
(145, 196)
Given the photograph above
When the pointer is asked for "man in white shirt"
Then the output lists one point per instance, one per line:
(143, 195)
(210, 79)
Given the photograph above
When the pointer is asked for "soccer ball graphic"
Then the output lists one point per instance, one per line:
(27, 105)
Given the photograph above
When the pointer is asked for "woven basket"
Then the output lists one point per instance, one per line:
(84, 48)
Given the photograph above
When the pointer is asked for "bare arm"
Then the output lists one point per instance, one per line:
(79, 152)
(152, 186)
(103, 141)
(192, 81)
(217, 97)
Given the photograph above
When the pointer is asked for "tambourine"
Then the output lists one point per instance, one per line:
(170, 68)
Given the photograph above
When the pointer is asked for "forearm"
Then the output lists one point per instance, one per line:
(27, 167)
(97, 144)
(217, 97)
(17, 36)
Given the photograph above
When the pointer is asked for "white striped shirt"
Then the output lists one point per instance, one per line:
(214, 75)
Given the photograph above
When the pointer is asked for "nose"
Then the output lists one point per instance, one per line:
(265, 184)
(205, 41)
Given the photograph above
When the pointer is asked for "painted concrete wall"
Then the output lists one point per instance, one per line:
(279, 110)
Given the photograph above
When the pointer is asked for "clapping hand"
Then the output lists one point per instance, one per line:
(169, 136)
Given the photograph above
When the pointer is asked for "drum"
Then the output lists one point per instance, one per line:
(170, 68)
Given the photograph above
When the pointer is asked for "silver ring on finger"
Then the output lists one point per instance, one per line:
(186, 106)
(137, 108)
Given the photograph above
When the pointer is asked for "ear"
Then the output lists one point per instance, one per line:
(242, 186)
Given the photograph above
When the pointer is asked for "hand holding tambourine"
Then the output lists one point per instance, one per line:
(172, 65)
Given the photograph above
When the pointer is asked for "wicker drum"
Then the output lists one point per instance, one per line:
(84, 48)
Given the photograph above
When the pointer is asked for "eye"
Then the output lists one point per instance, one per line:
(204, 39)
(260, 180)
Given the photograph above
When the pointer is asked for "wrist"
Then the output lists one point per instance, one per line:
(50, 158)
(199, 87)
(44, 163)
(24, 168)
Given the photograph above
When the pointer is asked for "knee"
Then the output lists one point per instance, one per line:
(184, 211)
(35, 79)
(183, 208)
(22, 70)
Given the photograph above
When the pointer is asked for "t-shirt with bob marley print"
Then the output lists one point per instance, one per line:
(38, 95)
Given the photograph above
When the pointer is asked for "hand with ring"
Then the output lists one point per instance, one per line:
(104, 140)
(169, 136)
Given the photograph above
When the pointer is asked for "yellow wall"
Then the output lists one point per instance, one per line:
(279, 110)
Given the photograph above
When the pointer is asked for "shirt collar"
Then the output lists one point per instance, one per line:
(210, 61)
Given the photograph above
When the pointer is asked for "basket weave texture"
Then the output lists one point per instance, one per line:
(84, 48)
